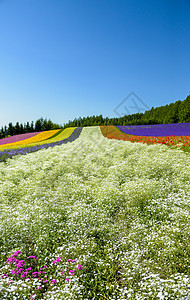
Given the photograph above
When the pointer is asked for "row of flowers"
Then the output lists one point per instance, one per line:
(113, 132)
(9, 153)
(17, 138)
(35, 138)
(177, 129)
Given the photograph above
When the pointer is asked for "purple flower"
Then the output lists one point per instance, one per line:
(58, 259)
(54, 281)
(79, 267)
(24, 274)
(16, 253)
(12, 272)
(72, 272)
(29, 269)
(35, 274)
(31, 256)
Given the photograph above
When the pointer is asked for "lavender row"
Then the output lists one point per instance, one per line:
(9, 153)
(177, 129)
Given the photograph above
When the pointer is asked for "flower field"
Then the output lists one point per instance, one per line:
(62, 137)
(98, 218)
(41, 136)
(181, 141)
(16, 138)
(177, 129)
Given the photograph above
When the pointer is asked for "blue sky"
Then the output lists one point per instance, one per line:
(65, 59)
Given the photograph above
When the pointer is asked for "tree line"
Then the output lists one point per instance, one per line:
(178, 112)
(40, 125)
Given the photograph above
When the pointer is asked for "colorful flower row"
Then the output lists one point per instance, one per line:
(9, 153)
(113, 132)
(177, 129)
(18, 137)
(36, 138)
(59, 136)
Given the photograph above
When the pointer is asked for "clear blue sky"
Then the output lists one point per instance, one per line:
(62, 59)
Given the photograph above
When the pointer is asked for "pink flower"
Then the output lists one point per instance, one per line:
(19, 271)
(45, 267)
(67, 279)
(24, 274)
(58, 259)
(72, 272)
(79, 267)
(16, 253)
(45, 280)
(12, 272)
(53, 262)
(29, 269)
(31, 256)
(35, 274)
(63, 272)
(54, 281)
(39, 273)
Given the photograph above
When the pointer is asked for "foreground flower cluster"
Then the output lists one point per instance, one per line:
(37, 279)
(120, 209)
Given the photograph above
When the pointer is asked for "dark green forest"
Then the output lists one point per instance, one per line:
(178, 112)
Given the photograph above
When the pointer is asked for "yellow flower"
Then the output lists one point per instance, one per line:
(37, 138)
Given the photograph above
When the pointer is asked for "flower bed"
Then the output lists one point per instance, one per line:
(36, 138)
(177, 129)
(9, 153)
(16, 138)
(113, 132)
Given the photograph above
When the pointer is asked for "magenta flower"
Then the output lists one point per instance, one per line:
(45, 280)
(12, 272)
(58, 259)
(39, 273)
(67, 279)
(53, 262)
(29, 269)
(24, 274)
(11, 260)
(16, 253)
(79, 267)
(45, 267)
(63, 272)
(31, 256)
(35, 274)
(19, 271)
(72, 272)
(54, 281)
